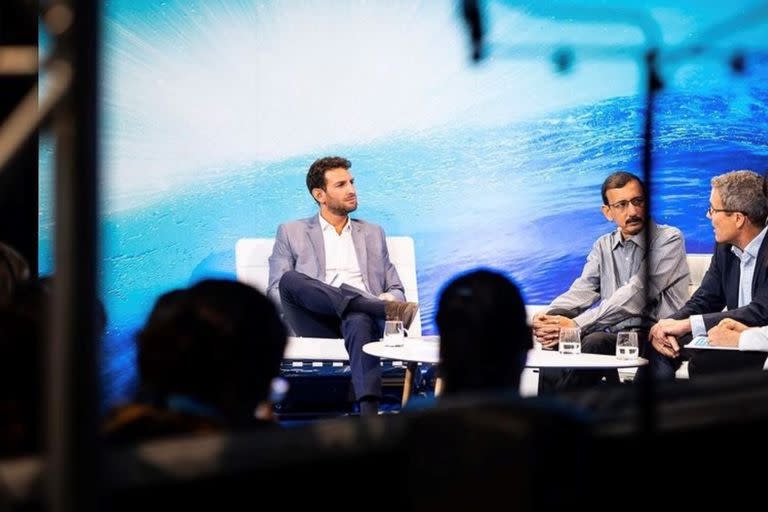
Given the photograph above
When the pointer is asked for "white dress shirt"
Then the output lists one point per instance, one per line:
(341, 265)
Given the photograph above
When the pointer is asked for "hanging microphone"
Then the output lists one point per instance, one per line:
(473, 19)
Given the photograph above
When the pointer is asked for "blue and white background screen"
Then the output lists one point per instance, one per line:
(214, 109)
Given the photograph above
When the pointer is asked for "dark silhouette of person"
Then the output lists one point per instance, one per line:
(484, 333)
(13, 270)
(207, 357)
(22, 364)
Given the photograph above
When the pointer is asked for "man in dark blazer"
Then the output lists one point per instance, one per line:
(737, 279)
(333, 277)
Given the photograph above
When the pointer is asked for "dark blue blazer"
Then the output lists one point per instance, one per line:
(720, 288)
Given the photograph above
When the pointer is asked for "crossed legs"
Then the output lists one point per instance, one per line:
(315, 309)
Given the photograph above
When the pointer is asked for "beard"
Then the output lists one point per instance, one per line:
(341, 208)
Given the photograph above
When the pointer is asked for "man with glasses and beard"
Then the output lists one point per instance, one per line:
(737, 279)
(610, 295)
(333, 277)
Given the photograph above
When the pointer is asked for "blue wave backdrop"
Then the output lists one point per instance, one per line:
(477, 177)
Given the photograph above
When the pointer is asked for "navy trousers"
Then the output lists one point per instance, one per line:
(315, 309)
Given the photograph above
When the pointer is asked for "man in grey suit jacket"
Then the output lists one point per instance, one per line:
(333, 277)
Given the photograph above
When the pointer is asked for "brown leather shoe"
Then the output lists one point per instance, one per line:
(405, 311)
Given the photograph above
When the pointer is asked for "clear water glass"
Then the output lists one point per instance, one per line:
(626, 345)
(570, 340)
(394, 333)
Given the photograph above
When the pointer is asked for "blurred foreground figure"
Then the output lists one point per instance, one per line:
(22, 369)
(207, 358)
(13, 269)
(484, 333)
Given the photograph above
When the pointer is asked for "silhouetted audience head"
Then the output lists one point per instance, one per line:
(23, 363)
(217, 345)
(13, 269)
(484, 333)
(22, 368)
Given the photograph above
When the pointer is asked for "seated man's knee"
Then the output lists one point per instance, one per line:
(663, 367)
(288, 282)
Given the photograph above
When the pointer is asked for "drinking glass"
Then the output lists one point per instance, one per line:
(626, 345)
(570, 340)
(394, 333)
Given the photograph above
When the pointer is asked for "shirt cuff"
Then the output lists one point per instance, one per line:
(697, 325)
(753, 339)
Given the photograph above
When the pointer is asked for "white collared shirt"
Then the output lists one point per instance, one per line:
(341, 265)
(747, 259)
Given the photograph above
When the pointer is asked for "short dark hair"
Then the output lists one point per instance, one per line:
(219, 342)
(619, 180)
(316, 174)
(484, 333)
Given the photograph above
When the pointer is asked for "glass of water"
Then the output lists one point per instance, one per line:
(394, 333)
(570, 340)
(626, 345)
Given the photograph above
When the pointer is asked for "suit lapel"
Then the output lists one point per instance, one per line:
(315, 234)
(358, 240)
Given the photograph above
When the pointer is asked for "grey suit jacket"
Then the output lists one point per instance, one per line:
(299, 246)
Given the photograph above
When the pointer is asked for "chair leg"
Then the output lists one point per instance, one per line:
(438, 386)
(408, 383)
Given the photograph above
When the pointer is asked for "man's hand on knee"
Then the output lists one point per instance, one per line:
(664, 344)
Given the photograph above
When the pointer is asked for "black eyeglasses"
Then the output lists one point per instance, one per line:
(711, 210)
(622, 205)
